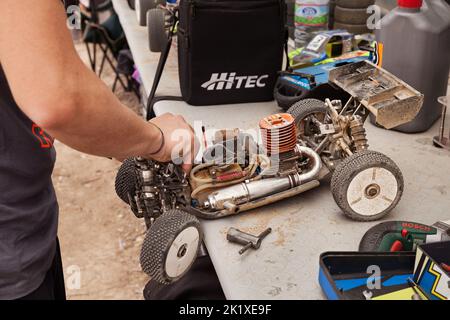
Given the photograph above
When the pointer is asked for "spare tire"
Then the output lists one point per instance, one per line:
(143, 6)
(352, 28)
(354, 4)
(286, 95)
(157, 33)
(351, 16)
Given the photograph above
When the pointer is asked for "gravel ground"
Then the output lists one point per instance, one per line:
(99, 235)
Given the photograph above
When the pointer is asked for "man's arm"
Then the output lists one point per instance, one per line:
(58, 92)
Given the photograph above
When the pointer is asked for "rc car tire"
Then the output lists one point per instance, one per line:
(371, 241)
(157, 35)
(305, 108)
(352, 28)
(142, 7)
(350, 15)
(171, 246)
(132, 4)
(354, 4)
(282, 98)
(367, 186)
(126, 180)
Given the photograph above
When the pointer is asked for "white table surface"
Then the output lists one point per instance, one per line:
(286, 266)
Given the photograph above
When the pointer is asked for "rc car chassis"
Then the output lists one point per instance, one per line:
(313, 140)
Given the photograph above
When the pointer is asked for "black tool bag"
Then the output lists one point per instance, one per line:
(229, 51)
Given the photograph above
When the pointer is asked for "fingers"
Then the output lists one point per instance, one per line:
(180, 141)
(187, 167)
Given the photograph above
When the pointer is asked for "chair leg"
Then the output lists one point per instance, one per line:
(115, 82)
(136, 90)
(102, 65)
(111, 64)
(91, 61)
(129, 84)
(95, 58)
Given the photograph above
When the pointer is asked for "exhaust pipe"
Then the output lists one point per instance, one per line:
(230, 197)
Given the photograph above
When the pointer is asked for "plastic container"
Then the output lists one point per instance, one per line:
(310, 16)
(345, 275)
(416, 39)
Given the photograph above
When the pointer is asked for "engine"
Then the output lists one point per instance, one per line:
(234, 171)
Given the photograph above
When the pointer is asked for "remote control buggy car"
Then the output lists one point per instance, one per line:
(299, 148)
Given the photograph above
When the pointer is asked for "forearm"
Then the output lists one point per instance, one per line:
(101, 125)
(57, 91)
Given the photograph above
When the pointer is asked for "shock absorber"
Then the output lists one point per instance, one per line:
(358, 133)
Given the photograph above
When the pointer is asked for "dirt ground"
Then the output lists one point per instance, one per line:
(99, 235)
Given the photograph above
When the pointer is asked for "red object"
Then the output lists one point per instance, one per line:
(231, 176)
(404, 233)
(397, 246)
(45, 140)
(411, 4)
(446, 267)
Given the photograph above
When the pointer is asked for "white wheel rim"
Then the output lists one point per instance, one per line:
(372, 191)
(187, 244)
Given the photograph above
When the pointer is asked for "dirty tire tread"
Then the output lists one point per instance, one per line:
(158, 241)
(126, 180)
(349, 168)
(305, 107)
(354, 4)
(350, 16)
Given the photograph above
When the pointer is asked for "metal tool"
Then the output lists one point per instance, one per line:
(368, 295)
(247, 240)
(441, 140)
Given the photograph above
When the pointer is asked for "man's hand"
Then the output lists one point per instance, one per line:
(178, 141)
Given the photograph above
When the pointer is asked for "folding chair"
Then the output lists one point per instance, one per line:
(125, 67)
(107, 36)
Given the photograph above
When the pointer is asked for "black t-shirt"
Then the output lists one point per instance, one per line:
(28, 207)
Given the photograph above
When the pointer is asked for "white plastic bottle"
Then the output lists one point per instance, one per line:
(310, 16)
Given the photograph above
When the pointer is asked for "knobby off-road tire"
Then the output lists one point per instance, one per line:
(367, 186)
(126, 183)
(126, 179)
(171, 246)
(303, 109)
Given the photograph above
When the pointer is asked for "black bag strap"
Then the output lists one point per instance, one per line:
(286, 52)
(159, 70)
